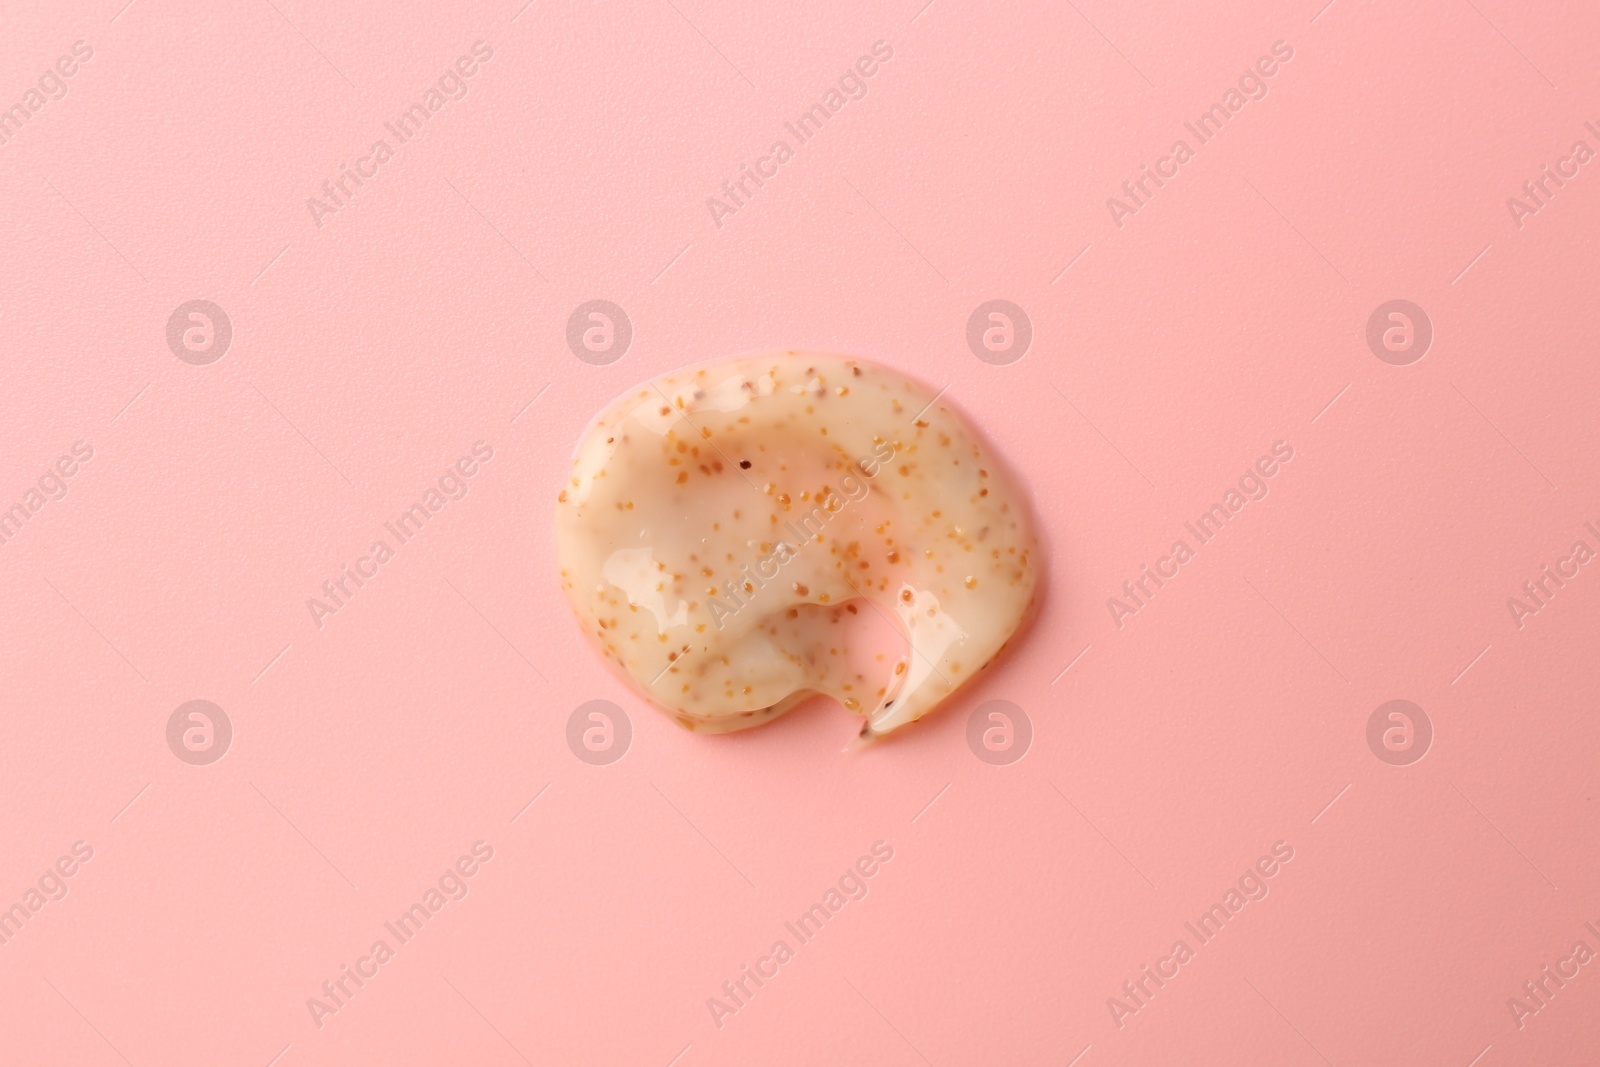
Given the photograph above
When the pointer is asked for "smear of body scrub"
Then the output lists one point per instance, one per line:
(725, 525)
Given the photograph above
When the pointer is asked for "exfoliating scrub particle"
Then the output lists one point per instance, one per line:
(725, 526)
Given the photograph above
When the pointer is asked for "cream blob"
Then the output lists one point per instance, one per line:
(725, 526)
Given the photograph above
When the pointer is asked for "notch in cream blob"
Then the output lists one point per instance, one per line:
(731, 532)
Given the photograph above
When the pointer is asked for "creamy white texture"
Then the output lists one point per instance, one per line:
(723, 522)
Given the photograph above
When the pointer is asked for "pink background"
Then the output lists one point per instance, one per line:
(430, 310)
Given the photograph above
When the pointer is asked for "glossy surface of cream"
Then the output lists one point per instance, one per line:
(724, 524)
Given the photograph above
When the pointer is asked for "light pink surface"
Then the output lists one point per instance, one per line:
(1169, 353)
